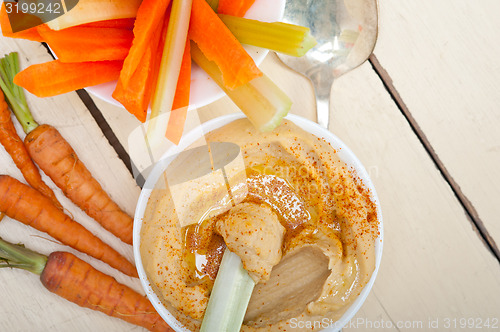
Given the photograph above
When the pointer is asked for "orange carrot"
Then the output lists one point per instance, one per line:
(181, 99)
(30, 34)
(25, 204)
(54, 77)
(119, 23)
(13, 144)
(234, 7)
(218, 44)
(75, 280)
(59, 161)
(149, 17)
(134, 96)
(81, 44)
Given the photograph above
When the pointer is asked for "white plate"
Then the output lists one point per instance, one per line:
(344, 153)
(203, 90)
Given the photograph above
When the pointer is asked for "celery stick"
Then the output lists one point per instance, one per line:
(14, 94)
(262, 101)
(230, 296)
(170, 66)
(281, 37)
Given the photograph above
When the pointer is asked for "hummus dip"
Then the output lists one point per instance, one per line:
(305, 230)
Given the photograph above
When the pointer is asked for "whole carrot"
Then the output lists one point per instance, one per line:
(53, 154)
(66, 275)
(27, 205)
(59, 161)
(14, 145)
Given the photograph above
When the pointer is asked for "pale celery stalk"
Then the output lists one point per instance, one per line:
(262, 101)
(170, 66)
(230, 296)
(214, 4)
(281, 37)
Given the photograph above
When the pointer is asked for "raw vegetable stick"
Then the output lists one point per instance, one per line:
(54, 77)
(170, 66)
(277, 36)
(75, 280)
(234, 7)
(262, 101)
(136, 95)
(218, 44)
(81, 44)
(149, 17)
(180, 104)
(25, 204)
(60, 162)
(119, 23)
(13, 144)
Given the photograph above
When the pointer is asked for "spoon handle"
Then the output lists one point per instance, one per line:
(323, 110)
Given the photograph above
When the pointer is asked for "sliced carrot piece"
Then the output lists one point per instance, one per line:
(234, 7)
(218, 44)
(180, 105)
(133, 95)
(136, 95)
(119, 23)
(149, 16)
(29, 34)
(55, 77)
(81, 44)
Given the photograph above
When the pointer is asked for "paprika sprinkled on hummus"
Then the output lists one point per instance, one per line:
(309, 240)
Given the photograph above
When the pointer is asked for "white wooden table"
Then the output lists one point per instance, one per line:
(422, 115)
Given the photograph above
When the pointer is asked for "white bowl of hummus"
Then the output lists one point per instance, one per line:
(295, 204)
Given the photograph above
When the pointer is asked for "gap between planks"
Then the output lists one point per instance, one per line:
(468, 207)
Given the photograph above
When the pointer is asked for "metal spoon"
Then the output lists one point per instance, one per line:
(346, 32)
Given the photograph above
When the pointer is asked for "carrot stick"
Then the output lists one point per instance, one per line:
(133, 96)
(25, 204)
(59, 161)
(13, 144)
(218, 44)
(180, 104)
(54, 77)
(136, 95)
(149, 16)
(29, 34)
(119, 23)
(81, 44)
(75, 280)
(234, 7)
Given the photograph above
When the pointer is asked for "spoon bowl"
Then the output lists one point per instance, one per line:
(346, 32)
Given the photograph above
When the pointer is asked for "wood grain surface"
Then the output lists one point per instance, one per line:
(422, 116)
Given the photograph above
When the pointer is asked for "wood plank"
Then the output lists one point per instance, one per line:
(442, 58)
(26, 305)
(434, 265)
(431, 250)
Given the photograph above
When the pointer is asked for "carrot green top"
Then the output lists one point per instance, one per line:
(17, 256)
(9, 67)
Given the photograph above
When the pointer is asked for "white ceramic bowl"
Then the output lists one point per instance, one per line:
(203, 89)
(345, 155)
